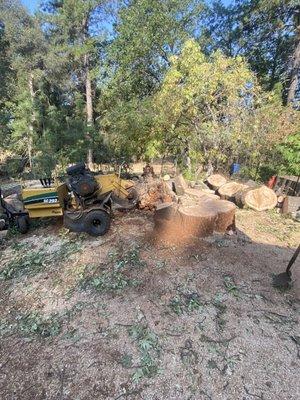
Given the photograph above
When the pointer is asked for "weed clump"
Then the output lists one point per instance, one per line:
(148, 346)
(185, 303)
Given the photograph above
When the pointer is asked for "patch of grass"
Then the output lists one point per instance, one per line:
(36, 324)
(17, 246)
(32, 324)
(28, 263)
(278, 225)
(130, 258)
(111, 281)
(147, 343)
(13, 231)
(221, 309)
(126, 361)
(185, 303)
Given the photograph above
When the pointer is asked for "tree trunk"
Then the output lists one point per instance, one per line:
(89, 110)
(32, 120)
(178, 224)
(294, 82)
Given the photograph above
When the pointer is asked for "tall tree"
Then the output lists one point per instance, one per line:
(266, 32)
(147, 33)
(76, 29)
(26, 48)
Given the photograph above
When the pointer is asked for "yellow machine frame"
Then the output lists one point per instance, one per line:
(50, 201)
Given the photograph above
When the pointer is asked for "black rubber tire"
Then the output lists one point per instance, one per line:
(23, 224)
(97, 223)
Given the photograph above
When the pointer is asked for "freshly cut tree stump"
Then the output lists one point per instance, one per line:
(229, 190)
(215, 181)
(177, 224)
(260, 199)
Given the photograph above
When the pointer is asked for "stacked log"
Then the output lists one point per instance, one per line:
(259, 198)
(230, 189)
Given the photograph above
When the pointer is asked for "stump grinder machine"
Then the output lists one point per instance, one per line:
(83, 199)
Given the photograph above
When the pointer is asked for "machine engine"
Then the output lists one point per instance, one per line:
(81, 181)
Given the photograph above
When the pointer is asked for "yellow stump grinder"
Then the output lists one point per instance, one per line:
(85, 201)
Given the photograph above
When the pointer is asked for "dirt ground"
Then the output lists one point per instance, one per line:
(124, 317)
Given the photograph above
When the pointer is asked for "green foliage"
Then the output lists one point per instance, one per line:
(30, 263)
(289, 151)
(264, 32)
(185, 303)
(36, 324)
(32, 324)
(117, 277)
(230, 285)
(183, 83)
(148, 346)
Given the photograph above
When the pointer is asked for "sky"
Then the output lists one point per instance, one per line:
(31, 5)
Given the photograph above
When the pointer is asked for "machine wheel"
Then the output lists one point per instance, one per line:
(97, 223)
(23, 224)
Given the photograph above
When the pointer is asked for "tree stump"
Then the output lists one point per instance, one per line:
(177, 224)
(215, 181)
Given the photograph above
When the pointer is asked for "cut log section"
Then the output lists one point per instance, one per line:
(201, 195)
(229, 190)
(291, 204)
(180, 185)
(183, 224)
(259, 199)
(215, 181)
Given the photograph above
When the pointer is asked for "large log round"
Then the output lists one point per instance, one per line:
(229, 190)
(215, 181)
(259, 199)
(183, 224)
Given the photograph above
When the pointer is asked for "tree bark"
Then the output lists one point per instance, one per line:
(294, 81)
(32, 120)
(180, 225)
(89, 110)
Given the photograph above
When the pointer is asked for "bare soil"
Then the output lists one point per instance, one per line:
(124, 317)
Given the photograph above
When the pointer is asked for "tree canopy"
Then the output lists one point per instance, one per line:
(197, 81)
